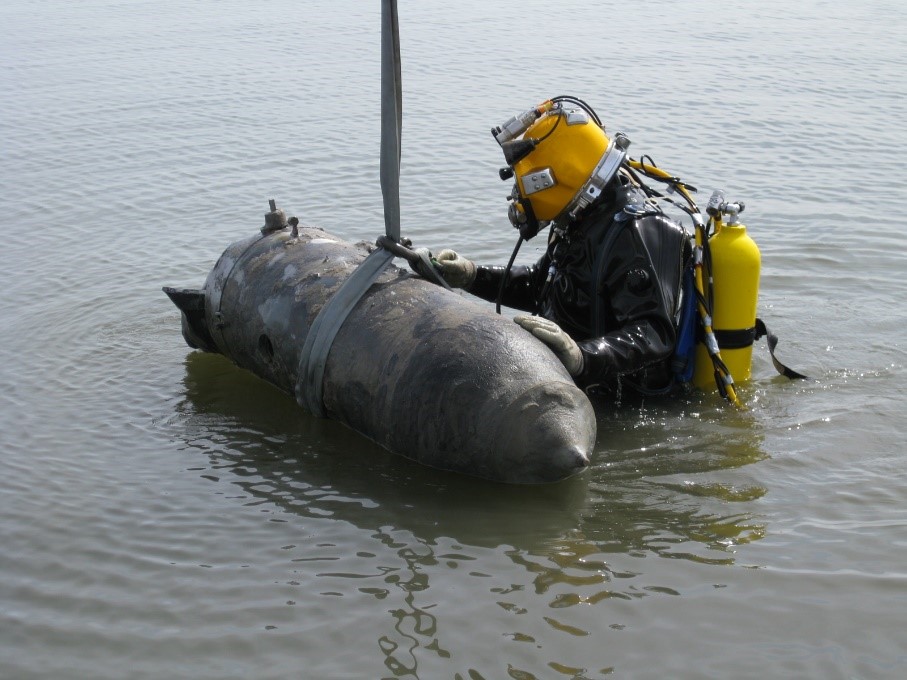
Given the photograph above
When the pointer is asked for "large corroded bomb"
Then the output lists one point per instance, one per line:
(425, 372)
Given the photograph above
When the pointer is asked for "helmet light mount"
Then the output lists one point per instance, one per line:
(521, 122)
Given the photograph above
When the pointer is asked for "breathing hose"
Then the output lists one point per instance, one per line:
(506, 276)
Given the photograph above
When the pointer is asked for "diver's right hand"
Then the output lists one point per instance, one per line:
(564, 347)
(456, 270)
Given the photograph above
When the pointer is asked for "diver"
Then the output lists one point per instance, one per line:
(606, 296)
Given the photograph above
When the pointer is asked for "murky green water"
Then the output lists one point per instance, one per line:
(164, 514)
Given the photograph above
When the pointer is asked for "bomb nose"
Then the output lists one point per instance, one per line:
(547, 434)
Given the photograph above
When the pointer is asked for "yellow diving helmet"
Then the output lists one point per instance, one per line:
(561, 158)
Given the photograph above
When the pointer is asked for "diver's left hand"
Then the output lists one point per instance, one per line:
(554, 336)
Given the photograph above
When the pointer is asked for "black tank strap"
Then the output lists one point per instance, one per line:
(737, 339)
(772, 341)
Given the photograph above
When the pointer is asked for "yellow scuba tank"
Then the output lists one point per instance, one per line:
(735, 264)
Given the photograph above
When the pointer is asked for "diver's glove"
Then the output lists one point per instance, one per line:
(457, 271)
(557, 340)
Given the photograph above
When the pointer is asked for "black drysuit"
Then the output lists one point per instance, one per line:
(615, 286)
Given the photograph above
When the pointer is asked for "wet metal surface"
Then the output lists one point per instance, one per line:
(428, 373)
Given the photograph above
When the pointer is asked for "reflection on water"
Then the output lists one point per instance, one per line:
(316, 467)
(570, 544)
(320, 467)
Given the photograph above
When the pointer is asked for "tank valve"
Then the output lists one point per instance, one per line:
(274, 220)
(719, 206)
(715, 201)
(731, 210)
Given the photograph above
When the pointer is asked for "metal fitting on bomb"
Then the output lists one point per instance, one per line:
(274, 220)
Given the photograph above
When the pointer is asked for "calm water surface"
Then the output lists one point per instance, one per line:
(164, 514)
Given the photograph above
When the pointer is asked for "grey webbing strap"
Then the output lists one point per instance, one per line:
(391, 117)
(310, 378)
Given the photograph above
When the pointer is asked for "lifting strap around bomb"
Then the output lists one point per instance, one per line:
(309, 388)
(320, 336)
